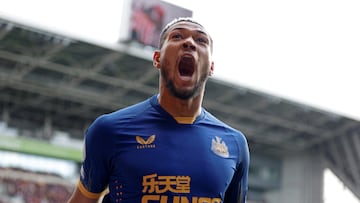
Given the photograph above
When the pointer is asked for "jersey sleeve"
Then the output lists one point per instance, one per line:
(237, 190)
(95, 168)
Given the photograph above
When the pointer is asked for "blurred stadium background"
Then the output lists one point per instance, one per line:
(52, 87)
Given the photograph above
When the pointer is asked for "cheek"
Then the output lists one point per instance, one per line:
(164, 64)
(206, 66)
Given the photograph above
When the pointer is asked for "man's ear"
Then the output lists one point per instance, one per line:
(211, 72)
(156, 59)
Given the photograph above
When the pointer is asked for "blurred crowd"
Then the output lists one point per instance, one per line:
(19, 186)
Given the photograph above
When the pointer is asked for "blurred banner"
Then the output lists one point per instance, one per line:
(143, 20)
(40, 147)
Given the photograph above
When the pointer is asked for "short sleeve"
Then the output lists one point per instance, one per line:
(95, 168)
(237, 190)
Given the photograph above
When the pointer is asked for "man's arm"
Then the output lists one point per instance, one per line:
(94, 146)
(78, 197)
(237, 190)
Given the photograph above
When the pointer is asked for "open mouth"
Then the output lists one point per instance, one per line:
(186, 65)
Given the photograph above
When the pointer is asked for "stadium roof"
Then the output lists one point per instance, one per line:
(52, 80)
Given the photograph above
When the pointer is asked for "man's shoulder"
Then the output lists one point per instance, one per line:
(121, 118)
(223, 125)
(132, 109)
(128, 112)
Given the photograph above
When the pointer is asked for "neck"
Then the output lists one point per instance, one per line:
(180, 107)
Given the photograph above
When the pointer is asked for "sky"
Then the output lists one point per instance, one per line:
(307, 51)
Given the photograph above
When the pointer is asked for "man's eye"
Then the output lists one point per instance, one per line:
(202, 40)
(176, 36)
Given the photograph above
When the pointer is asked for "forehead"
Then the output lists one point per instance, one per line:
(185, 25)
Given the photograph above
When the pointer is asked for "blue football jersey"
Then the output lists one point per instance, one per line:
(144, 155)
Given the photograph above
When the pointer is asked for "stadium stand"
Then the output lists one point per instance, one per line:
(20, 186)
(50, 83)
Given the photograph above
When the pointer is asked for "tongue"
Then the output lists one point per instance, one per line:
(186, 66)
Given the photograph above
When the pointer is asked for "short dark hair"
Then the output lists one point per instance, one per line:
(175, 21)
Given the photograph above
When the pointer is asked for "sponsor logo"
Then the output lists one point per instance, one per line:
(144, 144)
(155, 187)
(219, 147)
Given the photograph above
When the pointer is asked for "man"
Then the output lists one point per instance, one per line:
(167, 149)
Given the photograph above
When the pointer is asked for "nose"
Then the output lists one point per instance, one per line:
(189, 43)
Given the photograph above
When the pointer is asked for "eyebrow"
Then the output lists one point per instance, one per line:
(198, 30)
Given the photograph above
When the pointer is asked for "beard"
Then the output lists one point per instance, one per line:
(184, 93)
